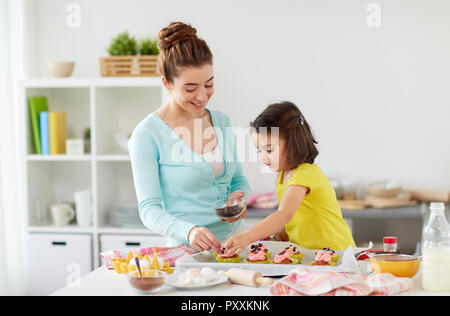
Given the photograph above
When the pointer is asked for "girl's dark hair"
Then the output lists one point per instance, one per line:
(179, 47)
(293, 128)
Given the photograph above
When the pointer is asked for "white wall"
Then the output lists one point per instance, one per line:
(377, 98)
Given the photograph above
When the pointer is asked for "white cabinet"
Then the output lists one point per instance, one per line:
(108, 106)
(55, 260)
(125, 243)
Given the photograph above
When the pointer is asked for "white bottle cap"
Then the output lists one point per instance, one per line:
(437, 206)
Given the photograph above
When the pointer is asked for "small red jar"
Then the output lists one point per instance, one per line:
(390, 244)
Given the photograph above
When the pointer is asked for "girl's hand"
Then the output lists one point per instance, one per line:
(281, 235)
(236, 244)
(202, 239)
(235, 196)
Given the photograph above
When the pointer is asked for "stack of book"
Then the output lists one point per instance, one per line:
(49, 128)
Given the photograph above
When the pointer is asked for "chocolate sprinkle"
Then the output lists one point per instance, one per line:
(229, 211)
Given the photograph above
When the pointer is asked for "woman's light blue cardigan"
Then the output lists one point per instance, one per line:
(175, 186)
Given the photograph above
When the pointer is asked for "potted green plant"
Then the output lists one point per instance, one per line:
(123, 45)
(149, 46)
(127, 58)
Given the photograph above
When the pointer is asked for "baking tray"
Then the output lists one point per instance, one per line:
(347, 262)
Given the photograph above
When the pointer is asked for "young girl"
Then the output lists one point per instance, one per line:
(308, 212)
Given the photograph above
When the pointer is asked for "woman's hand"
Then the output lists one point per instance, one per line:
(202, 239)
(236, 244)
(235, 196)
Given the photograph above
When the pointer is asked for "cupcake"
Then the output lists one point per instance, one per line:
(325, 257)
(334, 256)
(258, 254)
(290, 255)
(296, 255)
(260, 246)
(222, 257)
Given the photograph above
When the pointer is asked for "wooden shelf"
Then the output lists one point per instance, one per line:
(92, 82)
(72, 229)
(78, 158)
(113, 158)
(107, 106)
(124, 231)
(58, 158)
(75, 229)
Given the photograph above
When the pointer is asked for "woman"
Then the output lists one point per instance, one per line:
(182, 157)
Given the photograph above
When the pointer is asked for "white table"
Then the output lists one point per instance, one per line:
(103, 282)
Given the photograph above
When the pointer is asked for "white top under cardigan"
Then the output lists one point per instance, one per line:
(215, 160)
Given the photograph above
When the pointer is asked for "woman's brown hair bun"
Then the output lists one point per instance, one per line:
(180, 47)
(174, 33)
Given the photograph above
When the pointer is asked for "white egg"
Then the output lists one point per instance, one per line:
(183, 279)
(192, 273)
(208, 274)
(199, 281)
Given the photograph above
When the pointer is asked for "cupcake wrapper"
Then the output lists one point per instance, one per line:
(330, 264)
(284, 263)
(228, 260)
(335, 259)
(297, 258)
(258, 262)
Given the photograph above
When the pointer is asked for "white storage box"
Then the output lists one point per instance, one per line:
(125, 243)
(58, 260)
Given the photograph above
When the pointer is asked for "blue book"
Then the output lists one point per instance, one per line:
(45, 136)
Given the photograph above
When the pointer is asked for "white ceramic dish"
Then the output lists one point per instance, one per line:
(61, 69)
(173, 280)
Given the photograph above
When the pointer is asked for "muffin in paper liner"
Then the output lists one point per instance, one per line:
(267, 254)
(322, 265)
(258, 262)
(228, 260)
(293, 260)
(296, 258)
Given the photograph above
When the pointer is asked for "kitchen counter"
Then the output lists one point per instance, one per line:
(400, 212)
(371, 224)
(103, 282)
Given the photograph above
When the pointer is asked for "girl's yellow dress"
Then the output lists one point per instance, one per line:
(318, 222)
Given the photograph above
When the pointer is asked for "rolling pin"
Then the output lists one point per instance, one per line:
(246, 277)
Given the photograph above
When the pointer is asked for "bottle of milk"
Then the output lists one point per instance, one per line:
(436, 250)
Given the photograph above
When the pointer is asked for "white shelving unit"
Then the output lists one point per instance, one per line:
(107, 106)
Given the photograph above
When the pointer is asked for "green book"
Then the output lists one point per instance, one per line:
(37, 105)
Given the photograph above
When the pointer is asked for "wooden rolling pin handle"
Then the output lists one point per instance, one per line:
(263, 280)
